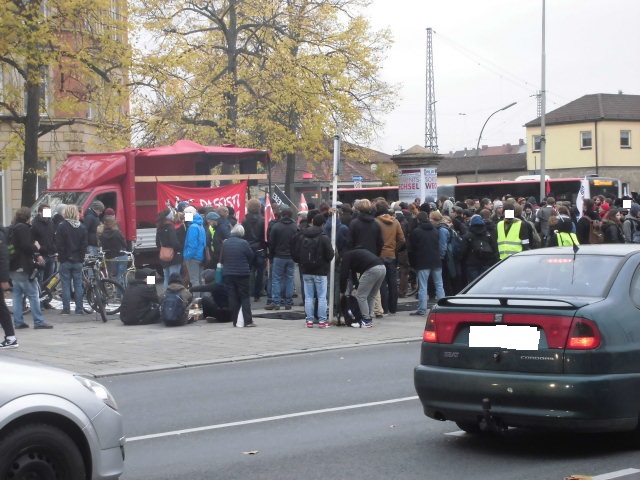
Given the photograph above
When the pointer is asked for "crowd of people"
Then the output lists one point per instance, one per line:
(381, 249)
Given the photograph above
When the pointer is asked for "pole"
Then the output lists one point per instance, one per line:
(334, 204)
(543, 140)
(482, 130)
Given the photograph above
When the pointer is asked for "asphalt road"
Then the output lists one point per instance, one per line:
(342, 414)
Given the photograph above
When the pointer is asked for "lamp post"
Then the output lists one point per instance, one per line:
(482, 130)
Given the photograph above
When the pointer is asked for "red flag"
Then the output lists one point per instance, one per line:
(268, 216)
(547, 186)
(303, 204)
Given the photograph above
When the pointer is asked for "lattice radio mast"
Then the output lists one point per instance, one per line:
(430, 130)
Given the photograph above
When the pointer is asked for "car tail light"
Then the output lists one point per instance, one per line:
(430, 335)
(584, 335)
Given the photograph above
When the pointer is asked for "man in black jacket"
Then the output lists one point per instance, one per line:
(424, 257)
(283, 266)
(71, 243)
(314, 263)
(91, 222)
(43, 231)
(10, 340)
(22, 270)
(140, 304)
(370, 267)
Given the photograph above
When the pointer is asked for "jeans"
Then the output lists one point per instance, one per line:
(315, 286)
(389, 289)
(195, 267)
(71, 272)
(168, 271)
(368, 286)
(474, 271)
(5, 318)
(48, 270)
(117, 266)
(23, 287)
(283, 270)
(423, 280)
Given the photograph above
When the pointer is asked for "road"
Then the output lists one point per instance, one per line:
(348, 413)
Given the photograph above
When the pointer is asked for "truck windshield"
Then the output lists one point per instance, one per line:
(53, 199)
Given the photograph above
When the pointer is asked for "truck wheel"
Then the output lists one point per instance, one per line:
(42, 452)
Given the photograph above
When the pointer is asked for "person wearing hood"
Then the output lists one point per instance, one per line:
(140, 303)
(253, 224)
(631, 225)
(562, 232)
(479, 248)
(315, 270)
(280, 237)
(194, 245)
(113, 244)
(393, 240)
(424, 257)
(364, 230)
(71, 243)
(91, 221)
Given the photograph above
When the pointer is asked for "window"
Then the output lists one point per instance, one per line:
(625, 138)
(537, 141)
(42, 180)
(585, 140)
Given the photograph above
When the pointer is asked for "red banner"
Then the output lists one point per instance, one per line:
(227, 196)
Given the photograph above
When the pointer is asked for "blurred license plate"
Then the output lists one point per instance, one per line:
(515, 337)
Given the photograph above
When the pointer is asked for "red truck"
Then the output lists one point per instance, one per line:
(126, 181)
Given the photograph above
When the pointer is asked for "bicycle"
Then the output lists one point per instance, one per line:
(103, 295)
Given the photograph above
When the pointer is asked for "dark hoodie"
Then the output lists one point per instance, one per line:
(365, 231)
(280, 237)
(71, 241)
(325, 252)
(424, 247)
(478, 231)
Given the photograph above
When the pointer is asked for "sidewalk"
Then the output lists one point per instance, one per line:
(88, 346)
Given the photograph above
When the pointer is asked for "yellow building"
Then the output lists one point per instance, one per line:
(597, 133)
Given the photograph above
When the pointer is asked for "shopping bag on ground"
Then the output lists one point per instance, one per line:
(240, 320)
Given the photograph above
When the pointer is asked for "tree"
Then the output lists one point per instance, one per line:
(283, 74)
(57, 58)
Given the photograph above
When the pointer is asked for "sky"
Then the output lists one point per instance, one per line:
(488, 54)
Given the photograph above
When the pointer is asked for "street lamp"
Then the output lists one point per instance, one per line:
(482, 130)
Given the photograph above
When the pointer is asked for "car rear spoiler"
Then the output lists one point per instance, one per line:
(555, 303)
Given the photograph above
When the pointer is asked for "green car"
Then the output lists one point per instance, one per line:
(548, 338)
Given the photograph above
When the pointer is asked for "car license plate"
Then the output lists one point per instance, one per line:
(515, 337)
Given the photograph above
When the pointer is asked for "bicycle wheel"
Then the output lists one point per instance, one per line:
(112, 296)
(98, 298)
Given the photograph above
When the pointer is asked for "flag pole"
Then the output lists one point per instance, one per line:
(334, 205)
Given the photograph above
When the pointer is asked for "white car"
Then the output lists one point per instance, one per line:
(57, 425)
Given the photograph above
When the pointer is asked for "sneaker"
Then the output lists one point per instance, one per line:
(64, 313)
(420, 314)
(324, 325)
(249, 325)
(367, 323)
(43, 326)
(20, 326)
(9, 343)
(379, 315)
(309, 323)
(272, 306)
(287, 307)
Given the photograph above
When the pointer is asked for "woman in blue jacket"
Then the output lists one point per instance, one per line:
(194, 244)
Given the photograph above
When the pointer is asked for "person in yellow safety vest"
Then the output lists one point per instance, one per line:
(512, 236)
(562, 233)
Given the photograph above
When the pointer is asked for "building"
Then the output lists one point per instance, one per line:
(595, 134)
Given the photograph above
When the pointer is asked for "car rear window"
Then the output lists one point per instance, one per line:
(582, 275)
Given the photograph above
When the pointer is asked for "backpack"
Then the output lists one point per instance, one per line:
(172, 309)
(8, 233)
(536, 239)
(350, 311)
(480, 246)
(596, 235)
(309, 251)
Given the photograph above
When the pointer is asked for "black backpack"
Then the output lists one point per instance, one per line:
(309, 250)
(481, 247)
(172, 309)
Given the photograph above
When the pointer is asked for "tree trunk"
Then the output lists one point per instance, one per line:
(32, 123)
(290, 175)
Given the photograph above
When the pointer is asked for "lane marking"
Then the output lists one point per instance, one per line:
(268, 419)
(616, 474)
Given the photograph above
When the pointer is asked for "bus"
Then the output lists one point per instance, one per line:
(349, 195)
(562, 189)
